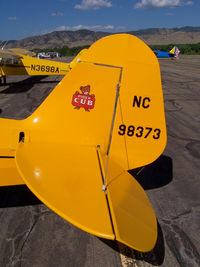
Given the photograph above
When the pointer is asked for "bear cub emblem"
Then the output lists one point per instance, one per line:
(83, 99)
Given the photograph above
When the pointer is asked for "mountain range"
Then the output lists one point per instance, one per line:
(152, 36)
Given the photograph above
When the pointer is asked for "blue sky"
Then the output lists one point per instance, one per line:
(24, 18)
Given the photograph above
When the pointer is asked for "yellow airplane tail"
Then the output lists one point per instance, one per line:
(104, 117)
(139, 129)
(173, 50)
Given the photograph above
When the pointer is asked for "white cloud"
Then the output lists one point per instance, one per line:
(80, 27)
(107, 28)
(147, 4)
(57, 14)
(93, 4)
(12, 18)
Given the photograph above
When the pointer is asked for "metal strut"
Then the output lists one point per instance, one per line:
(111, 132)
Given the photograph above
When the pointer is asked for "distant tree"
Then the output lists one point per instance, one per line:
(63, 51)
(187, 49)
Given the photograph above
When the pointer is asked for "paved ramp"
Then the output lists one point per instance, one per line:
(32, 235)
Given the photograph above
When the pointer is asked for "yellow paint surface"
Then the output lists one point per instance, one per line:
(67, 179)
(58, 157)
(8, 172)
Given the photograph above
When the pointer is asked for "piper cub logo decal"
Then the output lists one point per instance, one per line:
(83, 99)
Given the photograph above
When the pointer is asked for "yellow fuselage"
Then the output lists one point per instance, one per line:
(27, 65)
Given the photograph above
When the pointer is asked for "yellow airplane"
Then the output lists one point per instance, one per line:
(104, 118)
(21, 62)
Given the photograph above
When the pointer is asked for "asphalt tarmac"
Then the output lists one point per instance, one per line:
(31, 235)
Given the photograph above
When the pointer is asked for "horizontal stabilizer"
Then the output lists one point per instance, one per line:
(8, 54)
(8, 172)
(133, 218)
(67, 179)
(23, 52)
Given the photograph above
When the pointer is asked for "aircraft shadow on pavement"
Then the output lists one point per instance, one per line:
(25, 85)
(155, 175)
(17, 195)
